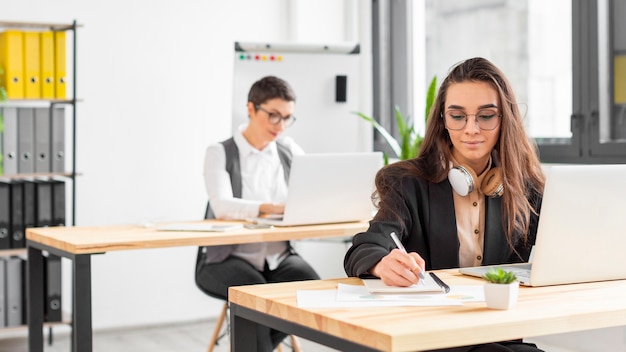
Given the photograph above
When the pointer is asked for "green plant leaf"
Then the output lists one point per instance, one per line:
(430, 96)
(383, 132)
(409, 143)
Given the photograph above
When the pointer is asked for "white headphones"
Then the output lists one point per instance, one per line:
(462, 178)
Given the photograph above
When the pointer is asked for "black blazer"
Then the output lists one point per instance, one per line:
(429, 217)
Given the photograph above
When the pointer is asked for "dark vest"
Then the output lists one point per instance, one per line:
(233, 166)
(216, 254)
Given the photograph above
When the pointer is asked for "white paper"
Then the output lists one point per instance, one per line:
(348, 296)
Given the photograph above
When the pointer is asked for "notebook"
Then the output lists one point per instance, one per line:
(329, 188)
(430, 284)
(581, 233)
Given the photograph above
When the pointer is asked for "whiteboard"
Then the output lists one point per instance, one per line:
(322, 123)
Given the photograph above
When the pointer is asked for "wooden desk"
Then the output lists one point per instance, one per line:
(539, 311)
(79, 243)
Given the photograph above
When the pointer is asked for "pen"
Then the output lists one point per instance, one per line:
(395, 239)
(440, 282)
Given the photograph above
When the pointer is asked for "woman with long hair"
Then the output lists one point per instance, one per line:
(472, 196)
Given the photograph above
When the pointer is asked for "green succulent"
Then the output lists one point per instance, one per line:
(500, 276)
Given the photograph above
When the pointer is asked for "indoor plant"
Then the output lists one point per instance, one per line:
(501, 289)
(409, 143)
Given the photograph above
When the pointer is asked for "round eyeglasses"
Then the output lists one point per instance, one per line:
(276, 118)
(486, 119)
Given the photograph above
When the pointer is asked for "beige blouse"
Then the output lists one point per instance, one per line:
(470, 220)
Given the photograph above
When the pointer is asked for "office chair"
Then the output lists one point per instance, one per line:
(217, 332)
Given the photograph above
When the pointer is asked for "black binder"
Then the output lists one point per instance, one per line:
(43, 201)
(18, 239)
(5, 214)
(3, 293)
(30, 205)
(52, 309)
(58, 202)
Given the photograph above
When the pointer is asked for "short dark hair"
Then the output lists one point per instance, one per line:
(270, 87)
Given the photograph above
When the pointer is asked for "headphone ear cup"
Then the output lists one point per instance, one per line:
(492, 185)
(462, 179)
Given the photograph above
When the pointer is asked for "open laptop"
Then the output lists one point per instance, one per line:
(581, 233)
(329, 188)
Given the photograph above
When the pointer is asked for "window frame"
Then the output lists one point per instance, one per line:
(585, 146)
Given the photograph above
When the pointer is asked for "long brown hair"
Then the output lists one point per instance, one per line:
(516, 153)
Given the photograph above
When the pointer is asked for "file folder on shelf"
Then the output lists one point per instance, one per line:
(26, 140)
(58, 139)
(3, 301)
(58, 202)
(60, 62)
(12, 62)
(9, 141)
(30, 204)
(32, 60)
(46, 41)
(619, 72)
(43, 203)
(42, 140)
(14, 291)
(5, 214)
(17, 214)
(52, 309)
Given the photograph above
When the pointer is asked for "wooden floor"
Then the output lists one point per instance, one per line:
(194, 336)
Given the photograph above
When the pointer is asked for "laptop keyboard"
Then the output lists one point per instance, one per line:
(520, 272)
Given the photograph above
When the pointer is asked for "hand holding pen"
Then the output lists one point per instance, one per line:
(399, 268)
(420, 271)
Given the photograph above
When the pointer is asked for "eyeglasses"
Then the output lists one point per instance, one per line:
(275, 118)
(486, 119)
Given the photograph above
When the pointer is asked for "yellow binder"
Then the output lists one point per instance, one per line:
(60, 68)
(12, 62)
(620, 79)
(32, 58)
(46, 41)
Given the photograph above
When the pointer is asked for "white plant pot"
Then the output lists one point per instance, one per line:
(501, 296)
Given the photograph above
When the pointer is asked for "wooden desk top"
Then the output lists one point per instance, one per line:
(539, 311)
(100, 239)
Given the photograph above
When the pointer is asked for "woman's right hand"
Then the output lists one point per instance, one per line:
(399, 269)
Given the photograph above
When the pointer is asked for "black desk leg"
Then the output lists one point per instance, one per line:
(82, 339)
(243, 332)
(36, 299)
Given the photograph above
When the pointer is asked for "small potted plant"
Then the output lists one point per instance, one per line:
(501, 289)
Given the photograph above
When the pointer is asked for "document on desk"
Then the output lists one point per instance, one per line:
(202, 227)
(426, 285)
(350, 296)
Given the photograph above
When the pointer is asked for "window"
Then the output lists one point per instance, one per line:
(566, 60)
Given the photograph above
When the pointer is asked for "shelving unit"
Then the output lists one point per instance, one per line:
(51, 103)
(70, 139)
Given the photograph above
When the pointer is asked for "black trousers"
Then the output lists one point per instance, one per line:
(216, 278)
(505, 346)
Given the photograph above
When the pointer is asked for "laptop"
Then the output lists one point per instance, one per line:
(581, 233)
(329, 188)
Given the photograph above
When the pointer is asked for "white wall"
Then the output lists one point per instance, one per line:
(155, 83)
